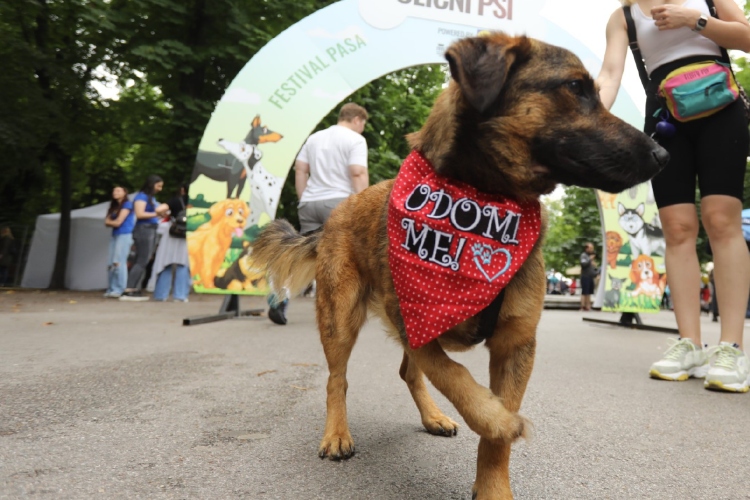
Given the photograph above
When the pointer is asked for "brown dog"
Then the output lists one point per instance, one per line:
(613, 244)
(208, 244)
(519, 117)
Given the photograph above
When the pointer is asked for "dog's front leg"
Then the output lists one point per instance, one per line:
(510, 369)
(432, 418)
(483, 411)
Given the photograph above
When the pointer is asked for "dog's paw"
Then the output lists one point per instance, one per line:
(336, 447)
(440, 425)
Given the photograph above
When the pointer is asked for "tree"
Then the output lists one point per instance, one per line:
(573, 220)
(53, 48)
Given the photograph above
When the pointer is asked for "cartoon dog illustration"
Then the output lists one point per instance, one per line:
(612, 296)
(241, 275)
(234, 167)
(208, 244)
(607, 199)
(647, 281)
(265, 187)
(646, 239)
(613, 242)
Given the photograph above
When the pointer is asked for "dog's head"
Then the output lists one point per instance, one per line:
(230, 214)
(521, 116)
(631, 219)
(643, 270)
(614, 242)
(259, 133)
(616, 283)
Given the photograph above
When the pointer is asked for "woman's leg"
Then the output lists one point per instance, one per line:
(722, 218)
(680, 225)
(144, 238)
(111, 274)
(181, 282)
(163, 283)
(120, 263)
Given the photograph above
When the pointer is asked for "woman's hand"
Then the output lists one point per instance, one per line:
(162, 209)
(671, 17)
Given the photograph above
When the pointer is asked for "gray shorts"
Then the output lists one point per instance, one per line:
(313, 214)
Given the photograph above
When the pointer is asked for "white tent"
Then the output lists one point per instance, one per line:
(87, 256)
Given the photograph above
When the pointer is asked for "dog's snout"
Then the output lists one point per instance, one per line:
(660, 155)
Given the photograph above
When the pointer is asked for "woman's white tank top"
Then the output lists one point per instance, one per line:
(661, 47)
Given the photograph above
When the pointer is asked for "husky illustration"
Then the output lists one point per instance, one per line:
(647, 239)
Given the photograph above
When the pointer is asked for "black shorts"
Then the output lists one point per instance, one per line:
(714, 149)
(587, 285)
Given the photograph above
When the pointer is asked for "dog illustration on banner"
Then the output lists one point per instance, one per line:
(208, 244)
(241, 275)
(646, 239)
(645, 278)
(265, 187)
(239, 164)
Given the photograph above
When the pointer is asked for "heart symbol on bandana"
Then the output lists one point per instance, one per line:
(483, 259)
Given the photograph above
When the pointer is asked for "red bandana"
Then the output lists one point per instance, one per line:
(451, 248)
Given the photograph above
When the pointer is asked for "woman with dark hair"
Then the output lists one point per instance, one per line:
(147, 213)
(121, 218)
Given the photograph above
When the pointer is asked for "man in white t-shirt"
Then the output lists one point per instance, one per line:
(330, 167)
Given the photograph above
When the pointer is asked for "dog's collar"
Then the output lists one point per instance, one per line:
(451, 248)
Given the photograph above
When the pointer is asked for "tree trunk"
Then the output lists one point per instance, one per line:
(63, 236)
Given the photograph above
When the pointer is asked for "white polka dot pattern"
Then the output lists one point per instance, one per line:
(443, 275)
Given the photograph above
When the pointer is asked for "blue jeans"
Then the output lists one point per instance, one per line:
(181, 283)
(117, 266)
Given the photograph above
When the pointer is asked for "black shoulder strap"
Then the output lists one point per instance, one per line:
(633, 43)
(714, 13)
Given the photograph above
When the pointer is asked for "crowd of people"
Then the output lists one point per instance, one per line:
(143, 252)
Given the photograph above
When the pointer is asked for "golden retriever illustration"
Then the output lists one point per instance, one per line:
(208, 244)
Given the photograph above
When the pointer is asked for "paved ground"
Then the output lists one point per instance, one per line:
(104, 399)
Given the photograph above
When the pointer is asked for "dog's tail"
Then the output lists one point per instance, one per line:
(287, 256)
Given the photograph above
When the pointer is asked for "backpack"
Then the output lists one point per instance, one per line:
(178, 223)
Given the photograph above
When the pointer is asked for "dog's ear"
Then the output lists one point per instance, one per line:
(480, 65)
(256, 121)
(216, 211)
(620, 208)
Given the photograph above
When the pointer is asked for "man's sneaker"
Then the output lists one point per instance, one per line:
(681, 361)
(730, 371)
(134, 296)
(277, 310)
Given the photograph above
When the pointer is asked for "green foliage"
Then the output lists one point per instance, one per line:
(573, 221)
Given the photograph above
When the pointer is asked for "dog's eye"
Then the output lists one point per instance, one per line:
(229, 212)
(576, 86)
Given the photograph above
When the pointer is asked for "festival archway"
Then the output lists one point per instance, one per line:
(293, 82)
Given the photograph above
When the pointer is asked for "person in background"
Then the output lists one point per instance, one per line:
(7, 254)
(712, 149)
(147, 212)
(121, 218)
(330, 167)
(171, 261)
(588, 274)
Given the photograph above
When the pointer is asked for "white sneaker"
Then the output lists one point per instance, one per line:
(681, 361)
(730, 371)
